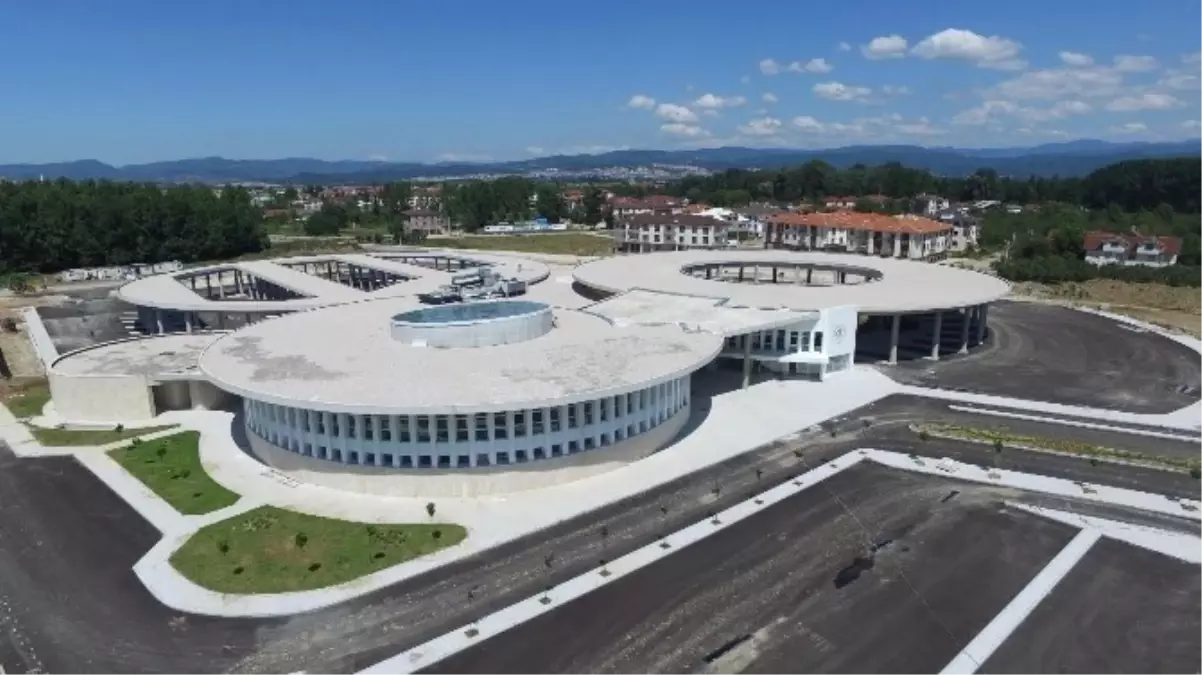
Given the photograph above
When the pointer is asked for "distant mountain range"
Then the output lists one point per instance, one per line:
(1074, 158)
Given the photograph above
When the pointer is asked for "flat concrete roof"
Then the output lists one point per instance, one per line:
(904, 286)
(166, 291)
(650, 307)
(153, 357)
(343, 359)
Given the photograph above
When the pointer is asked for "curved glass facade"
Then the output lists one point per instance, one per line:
(461, 441)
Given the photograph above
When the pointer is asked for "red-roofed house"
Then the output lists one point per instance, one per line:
(911, 237)
(1111, 248)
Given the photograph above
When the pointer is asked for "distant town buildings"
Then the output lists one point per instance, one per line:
(1111, 248)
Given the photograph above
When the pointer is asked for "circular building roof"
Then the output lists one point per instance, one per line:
(902, 285)
(158, 356)
(172, 290)
(343, 358)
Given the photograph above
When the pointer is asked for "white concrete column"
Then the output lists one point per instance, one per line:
(893, 335)
(968, 312)
(747, 361)
(188, 321)
(158, 321)
(981, 314)
(935, 337)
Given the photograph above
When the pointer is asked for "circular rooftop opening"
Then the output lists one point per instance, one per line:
(783, 272)
(473, 324)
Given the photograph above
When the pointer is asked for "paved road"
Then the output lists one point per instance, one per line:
(799, 588)
(1060, 355)
(67, 545)
(1122, 609)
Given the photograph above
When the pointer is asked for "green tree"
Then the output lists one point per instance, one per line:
(594, 205)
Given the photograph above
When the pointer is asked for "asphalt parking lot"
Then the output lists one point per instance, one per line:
(1122, 609)
(874, 570)
(68, 595)
(1048, 353)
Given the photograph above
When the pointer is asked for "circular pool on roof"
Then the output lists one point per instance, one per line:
(469, 312)
(473, 324)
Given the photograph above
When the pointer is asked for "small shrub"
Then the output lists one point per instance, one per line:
(1195, 473)
(119, 428)
(998, 445)
(161, 452)
(437, 534)
(136, 442)
(223, 547)
(378, 554)
(924, 436)
(1093, 461)
(300, 539)
(238, 570)
(430, 509)
(314, 567)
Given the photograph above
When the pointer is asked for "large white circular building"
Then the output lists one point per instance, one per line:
(357, 382)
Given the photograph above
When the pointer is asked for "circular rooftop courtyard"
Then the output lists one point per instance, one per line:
(873, 285)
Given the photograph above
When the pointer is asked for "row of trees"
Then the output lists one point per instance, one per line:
(475, 204)
(1048, 245)
(1135, 185)
(52, 226)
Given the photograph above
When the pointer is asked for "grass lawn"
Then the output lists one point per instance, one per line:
(171, 467)
(71, 437)
(28, 400)
(571, 243)
(1089, 451)
(270, 550)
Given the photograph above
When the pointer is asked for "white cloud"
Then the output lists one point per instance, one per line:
(811, 66)
(1125, 63)
(844, 47)
(993, 110)
(1076, 59)
(1130, 128)
(1179, 79)
(535, 150)
(837, 91)
(1148, 101)
(377, 158)
(676, 113)
(769, 97)
(714, 102)
(711, 113)
(1192, 59)
(864, 128)
(590, 149)
(1060, 83)
(685, 130)
(765, 126)
(892, 90)
(921, 127)
(745, 79)
(1191, 125)
(885, 47)
(964, 45)
(641, 102)
(464, 157)
(769, 67)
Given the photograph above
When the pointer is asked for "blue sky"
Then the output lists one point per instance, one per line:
(128, 81)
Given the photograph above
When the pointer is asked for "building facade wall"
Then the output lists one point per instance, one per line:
(472, 482)
(468, 441)
(101, 398)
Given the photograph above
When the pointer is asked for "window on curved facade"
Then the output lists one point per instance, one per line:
(442, 432)
(500, 427)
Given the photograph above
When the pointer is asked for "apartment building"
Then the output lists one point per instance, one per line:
(1110, 248)
(624, 207)
(429, 222)
(645, 232)
(905, 236)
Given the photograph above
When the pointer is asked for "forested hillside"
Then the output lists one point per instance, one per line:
(51, 226)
